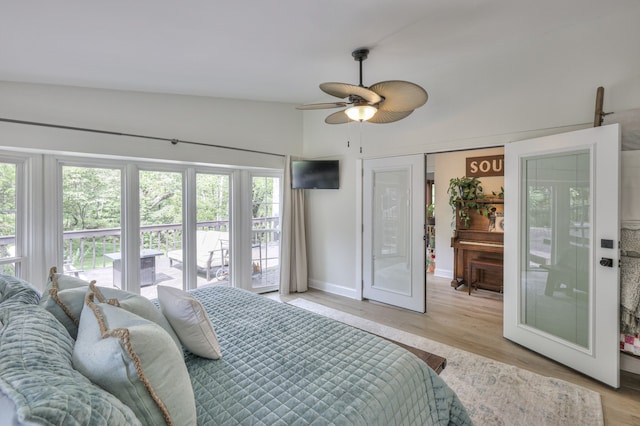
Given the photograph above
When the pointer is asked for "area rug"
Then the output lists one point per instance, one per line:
(493, 392)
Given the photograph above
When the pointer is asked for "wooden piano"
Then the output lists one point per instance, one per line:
(477, 243)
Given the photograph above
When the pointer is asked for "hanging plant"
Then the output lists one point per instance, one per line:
(464, 194)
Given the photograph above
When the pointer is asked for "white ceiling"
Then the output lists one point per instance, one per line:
(277, 50)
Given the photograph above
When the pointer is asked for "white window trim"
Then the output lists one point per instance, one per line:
(39, 220)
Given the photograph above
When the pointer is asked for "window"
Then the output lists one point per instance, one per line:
(91, 223)
(213, 228)
(161, 228)
(265, 232)
(10, 253)
(135, 225)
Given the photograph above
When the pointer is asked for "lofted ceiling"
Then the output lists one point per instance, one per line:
(277, 51)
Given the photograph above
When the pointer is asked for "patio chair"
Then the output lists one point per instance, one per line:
(570, 273)
(210, 252)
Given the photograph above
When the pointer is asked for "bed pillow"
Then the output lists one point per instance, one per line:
(37, 377)
(15, 290)
(63, 296)
(136, 304)
(190, 321)
(135, 360)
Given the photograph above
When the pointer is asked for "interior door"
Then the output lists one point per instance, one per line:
(561, 291)
(393, 231)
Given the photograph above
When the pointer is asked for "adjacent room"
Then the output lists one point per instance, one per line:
(343, 213)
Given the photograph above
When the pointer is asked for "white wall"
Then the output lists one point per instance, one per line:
(531, 90)
(269, 127)
(452, 165)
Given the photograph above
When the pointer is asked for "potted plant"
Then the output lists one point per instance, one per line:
(464, 194)
(500, 194)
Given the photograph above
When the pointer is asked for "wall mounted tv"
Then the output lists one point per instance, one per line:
(315, 174)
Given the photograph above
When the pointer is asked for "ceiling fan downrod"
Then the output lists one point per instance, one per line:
(360, 55)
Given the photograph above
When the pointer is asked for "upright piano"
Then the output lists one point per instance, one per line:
(477, 243)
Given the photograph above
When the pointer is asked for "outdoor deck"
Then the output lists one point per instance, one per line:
(171, 276)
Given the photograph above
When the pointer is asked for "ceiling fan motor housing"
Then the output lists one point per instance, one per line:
(360, 54)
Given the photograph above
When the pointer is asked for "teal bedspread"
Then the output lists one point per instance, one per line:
(282, 365)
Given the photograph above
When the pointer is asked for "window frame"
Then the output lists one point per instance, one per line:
(240, 204)
(28, 260)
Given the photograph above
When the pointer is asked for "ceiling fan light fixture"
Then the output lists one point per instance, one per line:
(361, 112)
(384, 102)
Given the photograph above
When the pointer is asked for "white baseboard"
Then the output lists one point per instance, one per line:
(629, 363)
(443, 273)
(351, 293)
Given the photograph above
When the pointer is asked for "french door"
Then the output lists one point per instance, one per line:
(394, 230)
(265, 232)
(561, 292)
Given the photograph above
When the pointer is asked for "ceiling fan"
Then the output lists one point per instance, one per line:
(384, 102)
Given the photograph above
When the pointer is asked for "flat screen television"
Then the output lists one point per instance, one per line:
(315, 174)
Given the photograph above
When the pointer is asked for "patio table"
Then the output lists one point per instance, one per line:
(147, 266)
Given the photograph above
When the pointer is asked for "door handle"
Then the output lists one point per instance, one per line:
(605, 261)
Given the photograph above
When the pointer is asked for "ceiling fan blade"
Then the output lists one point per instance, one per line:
(337, 118)
(344, 90)
(387, 116)
(323, 105)
(400, 95)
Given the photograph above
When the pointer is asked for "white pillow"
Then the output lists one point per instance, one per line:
(135, 360)
(136, 304)
(189, 319)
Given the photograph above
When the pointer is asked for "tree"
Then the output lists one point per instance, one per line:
(91, 198)
(212, 192)
(160, 197)
(7, 199)
(262, 196)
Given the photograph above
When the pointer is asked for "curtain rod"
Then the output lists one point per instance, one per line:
(108, 132)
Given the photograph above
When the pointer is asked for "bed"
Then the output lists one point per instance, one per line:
(279, 365)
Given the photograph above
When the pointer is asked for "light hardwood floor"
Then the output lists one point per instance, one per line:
(474, 323)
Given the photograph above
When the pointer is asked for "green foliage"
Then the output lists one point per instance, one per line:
(464, 194)
(430, 210)
(212, 197)
(264, 196)
(91, 198)
(539, 206)
(500, 194)
(160, 197)
(7, 199)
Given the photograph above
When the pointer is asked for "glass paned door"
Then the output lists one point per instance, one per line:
(265, 232)
(394, 231)
(556, 292)
(391, 218)
(213, 242)
(160, 230)
(561, 293)
(91, 221)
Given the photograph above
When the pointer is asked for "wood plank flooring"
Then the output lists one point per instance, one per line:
(474, 323)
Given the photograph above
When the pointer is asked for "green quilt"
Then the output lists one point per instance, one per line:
(282, 365)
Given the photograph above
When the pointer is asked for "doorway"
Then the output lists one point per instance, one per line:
(441, 256)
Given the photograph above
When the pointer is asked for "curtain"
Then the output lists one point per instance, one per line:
(293, 259)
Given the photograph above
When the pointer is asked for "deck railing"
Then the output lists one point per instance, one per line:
(85, 249)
